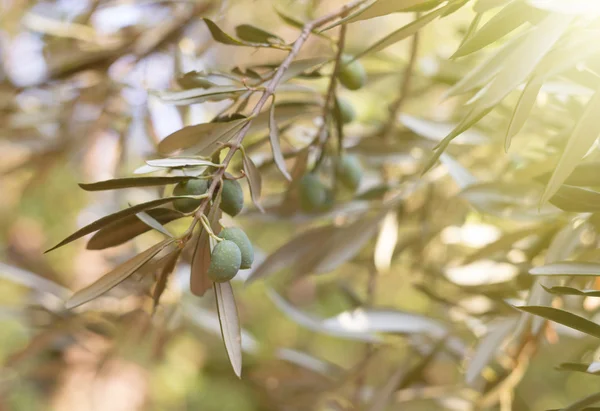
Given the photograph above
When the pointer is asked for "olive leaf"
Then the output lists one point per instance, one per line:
(508, 19)
(200, 138)
(568, 268)
(254, 180)
(583, 403)
(230, 325)
(113, 278)
(119, 215)
(402, 33)
(167, 269)
(151, 222)
(180, 162)
(125, 229)
(199, 95)
(584, 134)
(285, 113)
(565, 318)
(562, 290)
(523, 109)
(292, 252)
(275, 146)
(129, 182)
(199, 281)
(252, 34)
(382, 8)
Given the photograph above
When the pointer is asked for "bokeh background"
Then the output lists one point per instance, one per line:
(76, 105)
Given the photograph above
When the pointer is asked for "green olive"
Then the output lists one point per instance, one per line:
(225, 261)
(232, 197)
(347, 112)
(352, 75)
(349, 172)
(239, 237)
(313, 193)
(191, 187)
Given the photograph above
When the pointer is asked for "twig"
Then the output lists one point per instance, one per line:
(268, 92)
(361, 379)
(397, 104)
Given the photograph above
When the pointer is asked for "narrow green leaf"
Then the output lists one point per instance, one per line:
(275, 146)
(104, 221)
(200, 138)
(402, 33)
(584, 175)
(252, 34)
(129, 182)
(180, 162)
(505, 21)
(125, 229)
(568, 268)
(576, 199)
(523, 109)
(531, 49)
(461, 175)
(562, 290)
(292, 252)
(486, 70)
(200, 95)
(254, 181)
(285, 113)
(115, 277)
(220, 36)
(167, 269)
(151, 222)
(583, 403)
(583, 136)
(565, 318)
(466, 123)
(32, 280)
(230, 325)
(301, 66)
(199, 281)
(381, 8)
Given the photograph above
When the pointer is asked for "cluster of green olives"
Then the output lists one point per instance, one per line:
(315, 196)
(232, 196)
(352, 76)
(234, 250)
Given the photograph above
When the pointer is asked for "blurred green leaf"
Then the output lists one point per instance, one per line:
(119, 183)
(583, 136)
(230, 325)
(250, 33)
(275, 146)
(114, 277)
(565, 318)
(201, 138)
(125, 229)
(200, 95)
(562, 290)
(567, 268)
(254, 180)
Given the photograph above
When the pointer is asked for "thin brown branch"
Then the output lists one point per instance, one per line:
(269, 91)
(398, 104)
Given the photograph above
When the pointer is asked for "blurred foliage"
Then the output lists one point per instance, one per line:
(435, 250)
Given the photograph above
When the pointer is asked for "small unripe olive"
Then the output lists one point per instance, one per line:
(352, 75)
(225, 261)
(313, 193)
(193, 79)
(191, 187)
(349, 172)
(347, 112)
(239, 237)
(232, 197)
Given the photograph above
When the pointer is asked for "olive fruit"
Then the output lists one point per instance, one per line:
(191, 187)
(349, 172)
(352, 75)
(232, 197)
(313, 193)
(347, 112)
(225, 261)
(239, 237)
